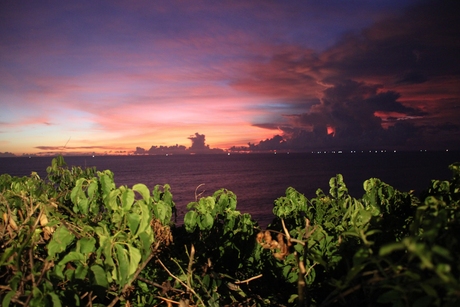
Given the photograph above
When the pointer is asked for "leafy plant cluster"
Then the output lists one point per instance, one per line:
(75, 239)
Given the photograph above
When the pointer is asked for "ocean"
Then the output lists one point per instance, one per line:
(257, 179)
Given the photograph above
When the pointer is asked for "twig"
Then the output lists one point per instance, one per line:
(77, 235)
(301, 284)
(91, 299)
(13, 300)
(248, 280)
(180, 281)
(31, 261)
(190, 263)
(196, 196)
(292, 239)
(288, 236)
(167, 300)
(310, 268)
(46, 267)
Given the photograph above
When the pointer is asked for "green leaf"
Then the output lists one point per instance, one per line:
(146, 216)
(7, 299)
(192, 205)
(107, 185)
(86, 245)
(116, 218)
(146, 238)
(61, 239)
(123, 264)
(161, 211)
(389, 248)
(92, 188)
(72, 256)
(134, 220)
(361, 255)
(143, 190)
(81, 271)
(127, 200)
(83, 206)
(190, 220)
(442, 252)
(100, 277)
(134, 259)
(55, 299)
(205, 221)
(112, 198)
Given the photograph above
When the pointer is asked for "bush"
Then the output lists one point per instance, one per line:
(76, 239)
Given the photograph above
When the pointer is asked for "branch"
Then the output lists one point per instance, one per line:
(168, 301)
(248, 280)
(181, 282)
(190, 263)
(196, 196)
(309, 269)
(288, 236)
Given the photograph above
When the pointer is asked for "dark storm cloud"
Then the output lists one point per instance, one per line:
(268, 126)
(413, 77)
(386, 85)
(198, 142)
(423, 41)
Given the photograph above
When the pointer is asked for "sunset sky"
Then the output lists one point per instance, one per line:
(110, 76)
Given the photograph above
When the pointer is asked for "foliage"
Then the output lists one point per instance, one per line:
(76, 239)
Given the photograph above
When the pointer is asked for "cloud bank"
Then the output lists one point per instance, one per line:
(393, 84)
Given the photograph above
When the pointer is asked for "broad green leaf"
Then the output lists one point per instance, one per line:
(192, 205)
(146, 240)
(86, 245)
(205, 221)
(190, 220)
(7, 298)
(72, 256)
(146, 216)
(161, 211)
(76, 191)
(112, 200)
(123, 264)
(62, 237)
(55, 299)
(107, 185)
(232, 203)
(127, 200)
(92, 189)
(100, 277)
(134, 259)
(143, 190)
(116, 218)
(83, 206)
(134, 220)
(81, 271)
(223, 201)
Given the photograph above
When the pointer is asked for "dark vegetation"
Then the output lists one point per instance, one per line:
(75, 239)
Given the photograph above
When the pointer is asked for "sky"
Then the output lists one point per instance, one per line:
(113, 76)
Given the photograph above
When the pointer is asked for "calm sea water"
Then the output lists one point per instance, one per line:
(257, 179)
